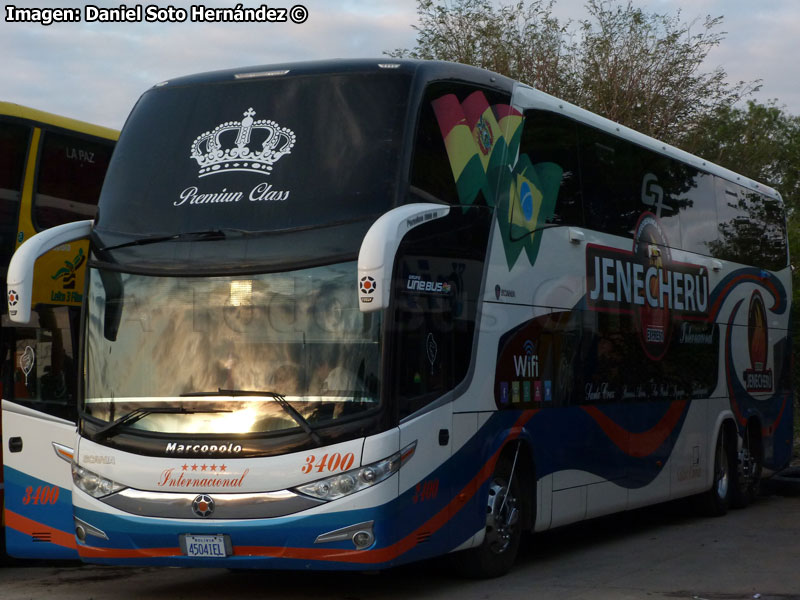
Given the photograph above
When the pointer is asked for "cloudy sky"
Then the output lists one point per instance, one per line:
(96, 71)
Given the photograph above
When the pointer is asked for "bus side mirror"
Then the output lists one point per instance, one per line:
(376, 256)
(19, 280)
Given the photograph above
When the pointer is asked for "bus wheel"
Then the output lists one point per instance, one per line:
(748, 472)
(504, 519)
(716, 501)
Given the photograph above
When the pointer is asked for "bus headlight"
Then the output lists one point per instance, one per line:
(92, 483)
(344, 484)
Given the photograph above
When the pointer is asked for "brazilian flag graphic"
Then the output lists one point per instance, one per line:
(532, 200)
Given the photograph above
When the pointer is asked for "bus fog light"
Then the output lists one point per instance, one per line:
(363, 539)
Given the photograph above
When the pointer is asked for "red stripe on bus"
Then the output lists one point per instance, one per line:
(30, 527)
(741, 279)
(639, 445)
(388, 553)
(95, 552)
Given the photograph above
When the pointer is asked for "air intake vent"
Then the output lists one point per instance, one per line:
(423, 537)
(41, 536)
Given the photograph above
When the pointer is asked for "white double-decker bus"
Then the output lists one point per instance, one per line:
(347, 315)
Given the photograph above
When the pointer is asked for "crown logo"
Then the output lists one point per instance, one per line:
(246, 145)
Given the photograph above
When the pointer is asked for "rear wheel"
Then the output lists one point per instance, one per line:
(748, 472)
(717, 500)
(504, 518)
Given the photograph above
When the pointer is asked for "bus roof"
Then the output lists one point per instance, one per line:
(38, 116)
(433, 70)
(430, 69)
(540, 100)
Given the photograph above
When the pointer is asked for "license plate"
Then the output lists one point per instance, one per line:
(206, 546)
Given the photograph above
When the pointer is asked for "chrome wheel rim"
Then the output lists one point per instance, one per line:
(502, 515)
(722, 473)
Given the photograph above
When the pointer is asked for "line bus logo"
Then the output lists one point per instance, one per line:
(758, 378)
(647, 284)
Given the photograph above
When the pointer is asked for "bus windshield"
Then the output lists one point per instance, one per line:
(271, 153)
(201, 344)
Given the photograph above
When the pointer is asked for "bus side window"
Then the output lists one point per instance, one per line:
(43, 361)
(14, 139)
(698, 216)
(551, 138)
(71, 173)
(774, 241)
(432, 177)
(610, 180)
(751, 227)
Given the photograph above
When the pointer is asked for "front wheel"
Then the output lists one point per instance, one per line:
(504, 518)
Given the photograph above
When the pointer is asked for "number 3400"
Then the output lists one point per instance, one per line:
(44, 494)
(329, 462)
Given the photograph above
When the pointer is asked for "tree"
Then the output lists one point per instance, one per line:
(522, 41)
(760, 141)
(639, 69)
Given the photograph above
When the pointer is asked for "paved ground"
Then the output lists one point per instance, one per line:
(660, 553)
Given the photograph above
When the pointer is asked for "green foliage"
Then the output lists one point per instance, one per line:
(761, 142)
(639, 69)
(500, 39)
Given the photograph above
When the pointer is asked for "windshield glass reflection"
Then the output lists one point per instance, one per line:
(203, 343)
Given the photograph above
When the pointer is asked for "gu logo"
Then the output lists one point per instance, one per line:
(652, 193)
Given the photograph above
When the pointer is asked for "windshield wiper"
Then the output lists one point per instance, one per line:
(279, 398)
(140, 413)
(187, 236)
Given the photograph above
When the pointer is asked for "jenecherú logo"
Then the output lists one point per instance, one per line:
(648, 284)
(758, 378)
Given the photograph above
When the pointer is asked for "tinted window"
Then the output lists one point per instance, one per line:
(612, 184)
(548, 138)
(751, 227)
(39, 365)
(13, 148)
(260, 154)
(699, 212)
(71, 173)
(438, 274)
(465, 121)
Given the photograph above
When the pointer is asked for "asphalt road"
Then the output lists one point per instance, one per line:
(657, 553)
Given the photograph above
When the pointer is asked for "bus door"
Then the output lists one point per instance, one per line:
(39, 433)
(436, 282)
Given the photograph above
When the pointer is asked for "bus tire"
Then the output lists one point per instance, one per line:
(504, 520)
(717, 500)
(747, 475)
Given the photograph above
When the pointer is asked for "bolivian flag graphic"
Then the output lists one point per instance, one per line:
(467, 166)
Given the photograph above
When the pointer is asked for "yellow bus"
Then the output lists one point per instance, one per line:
(51, 172)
